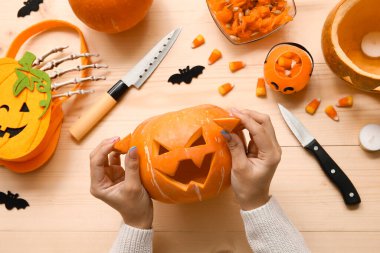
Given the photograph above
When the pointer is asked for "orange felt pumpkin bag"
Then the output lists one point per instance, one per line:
(30, 116)
(183, 155)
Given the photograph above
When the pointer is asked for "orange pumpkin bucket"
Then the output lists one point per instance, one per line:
(288, 68)
(183, 155)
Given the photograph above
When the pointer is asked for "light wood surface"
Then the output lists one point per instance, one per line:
(64, 217)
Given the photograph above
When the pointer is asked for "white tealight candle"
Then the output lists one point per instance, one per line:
(370, 137)
(371, 44)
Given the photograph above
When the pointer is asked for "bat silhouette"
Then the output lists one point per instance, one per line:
(186, 75)
(29, 6)
(11, 201)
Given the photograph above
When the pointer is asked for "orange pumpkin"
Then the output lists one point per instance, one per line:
(183, 156)
(110, 16)
(288, 68)
(30, 120)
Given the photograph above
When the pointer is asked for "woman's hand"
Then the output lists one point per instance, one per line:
(252, 172)
(120, 189)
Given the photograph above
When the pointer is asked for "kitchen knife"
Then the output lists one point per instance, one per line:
(135, 77)
(331, 169)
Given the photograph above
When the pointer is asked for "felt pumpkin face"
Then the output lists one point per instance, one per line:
(183, 156)
(24, 107)
(30, 111)
(288, 67)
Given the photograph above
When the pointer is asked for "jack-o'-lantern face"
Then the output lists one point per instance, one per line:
(183, 156)
(24, 107)
(189, 163)
(288, 68)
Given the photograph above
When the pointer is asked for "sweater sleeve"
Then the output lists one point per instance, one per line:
(133, 240)
(269, 230)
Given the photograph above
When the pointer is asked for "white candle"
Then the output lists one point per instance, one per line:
(371, 44)
(370, 137)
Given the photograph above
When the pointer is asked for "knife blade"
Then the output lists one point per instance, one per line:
(135, 77)
(331, 169)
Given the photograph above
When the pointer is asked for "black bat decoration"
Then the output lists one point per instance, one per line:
(11, 201)
(186, 75)
(29, 6)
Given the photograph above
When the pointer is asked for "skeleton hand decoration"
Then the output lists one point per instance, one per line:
(53, 64)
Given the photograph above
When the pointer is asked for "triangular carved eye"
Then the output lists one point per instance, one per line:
(162, 150)
(198, 142)
(24, 108)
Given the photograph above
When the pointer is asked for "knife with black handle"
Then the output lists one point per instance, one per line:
(334, 173)
(331, 169)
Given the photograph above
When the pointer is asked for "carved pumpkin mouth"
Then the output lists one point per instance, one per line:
(188, 172)
(12, 131)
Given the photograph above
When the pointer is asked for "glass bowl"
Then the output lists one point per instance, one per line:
(242, 15)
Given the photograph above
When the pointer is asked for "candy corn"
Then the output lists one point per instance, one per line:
(330, 111)
(198, 41)
(292, 56)
(345, 102)
(279, 68)
(225, 89)
(289, 55)
(297, 59)
(285, 62)
(288, 65)
(312, 107)
(215, 55)
(295, 70)
(236, 65)
(260, 88)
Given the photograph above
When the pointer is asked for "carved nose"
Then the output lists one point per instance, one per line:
(5, 107)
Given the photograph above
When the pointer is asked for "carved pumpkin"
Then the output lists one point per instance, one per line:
(30, 120)
(288, 68)
(345, 47)
(110, 16)
(183, 156)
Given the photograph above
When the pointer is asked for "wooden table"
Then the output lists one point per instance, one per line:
(64, 217)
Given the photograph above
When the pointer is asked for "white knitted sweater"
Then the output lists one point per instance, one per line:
(267, 229)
